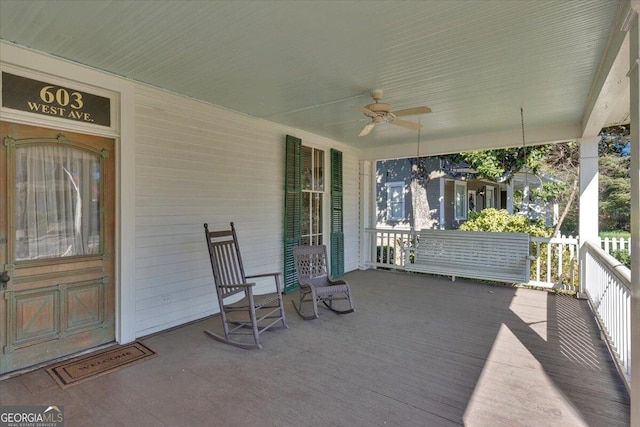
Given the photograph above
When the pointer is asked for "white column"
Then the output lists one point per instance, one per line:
(366, 200)
(510, 197)
(634, 87)
(442, 206)
(588, 211)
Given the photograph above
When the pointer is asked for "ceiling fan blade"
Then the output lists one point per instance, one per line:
(343, 122)
(412, 111)
(406, 124)
(366, 111)
(367, 129)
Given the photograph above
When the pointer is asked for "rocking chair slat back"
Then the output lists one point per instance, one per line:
(226, 262)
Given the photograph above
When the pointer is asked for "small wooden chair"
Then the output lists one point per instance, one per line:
(255, 312)
(316, 285)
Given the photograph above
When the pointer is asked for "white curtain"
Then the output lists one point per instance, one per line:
(57, 202)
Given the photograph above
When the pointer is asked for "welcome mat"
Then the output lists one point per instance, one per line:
(93, 365)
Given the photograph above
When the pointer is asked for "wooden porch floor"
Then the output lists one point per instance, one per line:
(419, 351)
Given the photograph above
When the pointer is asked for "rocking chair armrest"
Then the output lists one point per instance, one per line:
(276, 278)
(262, 275)
(239, 285)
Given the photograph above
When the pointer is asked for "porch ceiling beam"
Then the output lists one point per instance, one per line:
(611, 81)
(487, 141)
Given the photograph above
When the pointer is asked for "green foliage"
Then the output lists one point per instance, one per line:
(615, 234)
(499, 220)
(493, 164)
(550, 192)
(615, 192)
(623, 256)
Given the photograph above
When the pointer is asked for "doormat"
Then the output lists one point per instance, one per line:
(94, 365)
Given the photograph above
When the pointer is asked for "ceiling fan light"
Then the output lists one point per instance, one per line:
(376, 94)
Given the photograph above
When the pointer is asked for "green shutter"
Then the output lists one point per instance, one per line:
(292, 209)
(337, 231)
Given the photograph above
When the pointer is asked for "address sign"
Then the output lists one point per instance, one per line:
(24, 94)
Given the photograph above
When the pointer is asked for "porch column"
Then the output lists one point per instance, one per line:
(634, 88)
(588, 208)
(366, 175)
(441, 200)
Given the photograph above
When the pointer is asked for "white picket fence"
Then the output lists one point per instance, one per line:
(616, 244)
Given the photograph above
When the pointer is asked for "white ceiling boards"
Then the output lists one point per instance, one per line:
(306, 64)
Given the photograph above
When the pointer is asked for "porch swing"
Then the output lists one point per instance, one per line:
(499, 257)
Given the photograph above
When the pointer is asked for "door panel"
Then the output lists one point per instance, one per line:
(56, 244)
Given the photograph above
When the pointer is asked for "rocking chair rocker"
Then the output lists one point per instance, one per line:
(316, 285)
(254, 312)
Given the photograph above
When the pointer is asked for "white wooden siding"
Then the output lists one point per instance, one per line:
(198, 163)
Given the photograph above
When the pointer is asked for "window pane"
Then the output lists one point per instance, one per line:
(317, 213)
(307, 171)
(318, 163)
(395, 201)
(306, 213)
(490, 198)
(57, 202)
(460, 202)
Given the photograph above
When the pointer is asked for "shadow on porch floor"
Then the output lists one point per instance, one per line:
(419, 351)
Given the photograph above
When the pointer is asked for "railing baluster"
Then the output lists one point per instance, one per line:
(538, 278)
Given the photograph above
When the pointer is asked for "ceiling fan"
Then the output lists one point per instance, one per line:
(379, 112)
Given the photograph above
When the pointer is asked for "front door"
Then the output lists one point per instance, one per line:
(56, 244)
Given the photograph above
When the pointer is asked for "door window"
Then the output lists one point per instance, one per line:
(57, 202)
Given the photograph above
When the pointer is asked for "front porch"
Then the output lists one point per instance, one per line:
(418, 351)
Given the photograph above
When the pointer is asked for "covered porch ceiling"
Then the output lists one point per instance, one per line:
(307, 64)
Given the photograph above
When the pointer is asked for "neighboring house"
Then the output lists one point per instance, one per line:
(452, 192)
(393, 196)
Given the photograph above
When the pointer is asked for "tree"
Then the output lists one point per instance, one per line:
(420, 178)
(563, 161)
(615, 193)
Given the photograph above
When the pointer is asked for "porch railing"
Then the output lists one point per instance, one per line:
(387, 247)
(555, 264)
(609, 292)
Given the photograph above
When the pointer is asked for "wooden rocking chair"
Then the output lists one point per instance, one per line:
(256, 313)
(316, 285)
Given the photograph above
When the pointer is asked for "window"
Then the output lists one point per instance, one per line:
(490, 199)
(472, 201)
(395, 201)
(460, 202)
(57, 202)
(312, 195)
